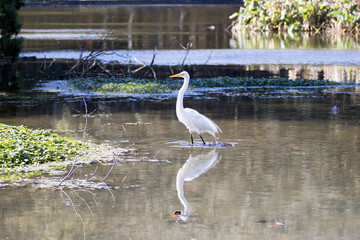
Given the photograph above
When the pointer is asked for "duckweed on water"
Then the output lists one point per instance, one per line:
(21, 146)
(151, 86)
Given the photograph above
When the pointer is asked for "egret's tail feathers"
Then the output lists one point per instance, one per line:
(217, 128)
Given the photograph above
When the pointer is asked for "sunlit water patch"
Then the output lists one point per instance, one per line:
(216, 57)
(63, 34)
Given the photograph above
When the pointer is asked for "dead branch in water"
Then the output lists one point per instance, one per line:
(72, 170)
(89, 66)
(44, 67)
(76, 212)
(135, 153)
(143, 65)
(187, 49)
(112, 167)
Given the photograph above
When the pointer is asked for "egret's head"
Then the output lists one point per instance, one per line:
(183, 74)
(177, 214)
(180, 215)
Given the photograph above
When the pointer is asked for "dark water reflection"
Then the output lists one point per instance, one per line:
(146, 27)
(24, 75)
(253, 40)
(135, 27)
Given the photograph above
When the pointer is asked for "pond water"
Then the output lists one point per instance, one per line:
(292, 170)
(134, 27)
(61, 32)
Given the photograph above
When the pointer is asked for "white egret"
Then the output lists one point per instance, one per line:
(193, 168)
(192, 119)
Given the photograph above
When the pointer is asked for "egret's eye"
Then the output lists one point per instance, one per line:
(177, 213)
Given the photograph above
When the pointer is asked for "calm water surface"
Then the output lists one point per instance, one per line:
(134, 27)
(63, 32)
(164, 27)
(293, 173)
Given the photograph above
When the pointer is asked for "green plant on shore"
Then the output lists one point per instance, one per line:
(299, 15)
(21, 146)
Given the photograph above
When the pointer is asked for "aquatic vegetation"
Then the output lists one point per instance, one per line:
(21, 146)
(151, 86)
(299, 15)
(124, 85)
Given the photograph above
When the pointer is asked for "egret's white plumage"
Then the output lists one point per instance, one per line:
(192, 119)
(194, 166)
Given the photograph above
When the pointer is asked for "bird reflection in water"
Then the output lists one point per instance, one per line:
(193, 168)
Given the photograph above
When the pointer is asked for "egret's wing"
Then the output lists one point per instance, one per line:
(200, 121)
(217, 127)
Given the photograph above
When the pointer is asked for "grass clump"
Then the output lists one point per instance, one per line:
(21, 146)
(299, 15)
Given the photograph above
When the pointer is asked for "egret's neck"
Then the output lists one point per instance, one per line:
(180, 190)
(180, 99)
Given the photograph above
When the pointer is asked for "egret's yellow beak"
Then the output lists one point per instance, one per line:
(176, 75)
(176, 216)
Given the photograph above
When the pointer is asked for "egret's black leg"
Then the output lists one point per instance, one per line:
(192, 141)
(202, 139)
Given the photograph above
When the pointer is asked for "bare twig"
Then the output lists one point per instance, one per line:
(106, 71)
(154, 157)
(93, 173)
(112, 167)
(143, 65)
(45, 68)
(208, 58)
(187, 48)
(82, 149)
(76, 212)
(207, 62)
(92, 214)
(133, 165)
(135, 153)
(151, 64)
(133, 143)
(112, 195)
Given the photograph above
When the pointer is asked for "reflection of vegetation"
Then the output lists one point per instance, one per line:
(21, 146)
(299, 15)
(283, 40)
(10, 44)
(131, 85)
